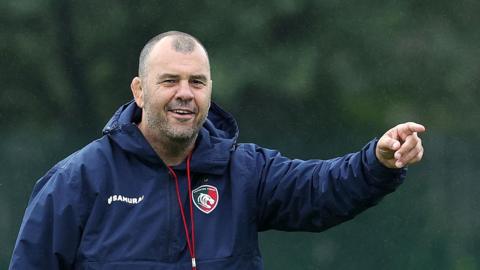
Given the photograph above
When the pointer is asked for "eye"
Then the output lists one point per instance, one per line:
(198, 83)
(168, 82)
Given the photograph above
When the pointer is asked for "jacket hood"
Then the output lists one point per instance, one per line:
(216, 139)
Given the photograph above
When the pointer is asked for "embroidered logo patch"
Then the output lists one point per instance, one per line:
(205, 198)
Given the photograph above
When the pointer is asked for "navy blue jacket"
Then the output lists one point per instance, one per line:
(113, 204)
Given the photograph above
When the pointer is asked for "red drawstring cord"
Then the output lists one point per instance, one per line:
(190, 243)
(192, 219)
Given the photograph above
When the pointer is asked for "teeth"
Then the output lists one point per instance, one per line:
(181, 111)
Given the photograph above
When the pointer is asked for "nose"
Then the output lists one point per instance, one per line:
(184, 91)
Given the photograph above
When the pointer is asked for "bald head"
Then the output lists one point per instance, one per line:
(180, 42)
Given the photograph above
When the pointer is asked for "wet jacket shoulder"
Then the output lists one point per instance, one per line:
(58, 209)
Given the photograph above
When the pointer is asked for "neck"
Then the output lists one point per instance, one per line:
(171, 151)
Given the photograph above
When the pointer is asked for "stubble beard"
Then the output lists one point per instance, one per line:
(163, 129)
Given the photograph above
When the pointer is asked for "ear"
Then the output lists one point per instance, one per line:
(210, 101)
(137, 91)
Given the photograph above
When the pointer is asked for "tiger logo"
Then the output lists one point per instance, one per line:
(205, 198)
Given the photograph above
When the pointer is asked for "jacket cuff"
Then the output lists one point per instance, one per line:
(380, 174)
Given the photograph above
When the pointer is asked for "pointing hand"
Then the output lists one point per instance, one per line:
(400, 146)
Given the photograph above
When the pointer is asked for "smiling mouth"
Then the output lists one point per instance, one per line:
(182, 114)
(182, 111)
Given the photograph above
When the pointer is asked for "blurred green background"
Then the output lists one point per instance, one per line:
(313, 79)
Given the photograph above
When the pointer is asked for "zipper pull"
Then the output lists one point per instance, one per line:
(194, 264)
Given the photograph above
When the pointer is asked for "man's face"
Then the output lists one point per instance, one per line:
(176, 91)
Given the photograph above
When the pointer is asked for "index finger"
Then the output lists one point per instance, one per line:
(410, 128)
(414, 127)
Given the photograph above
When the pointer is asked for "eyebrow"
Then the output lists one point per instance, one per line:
(173, 76)
(167, 75)
(199, 77)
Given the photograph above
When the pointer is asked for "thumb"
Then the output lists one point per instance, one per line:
(385, 150)
(388, 144)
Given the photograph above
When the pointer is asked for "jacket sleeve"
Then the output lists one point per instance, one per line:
(51, 227)
(315, 195)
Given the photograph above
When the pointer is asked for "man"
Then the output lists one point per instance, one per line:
(168, 186)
